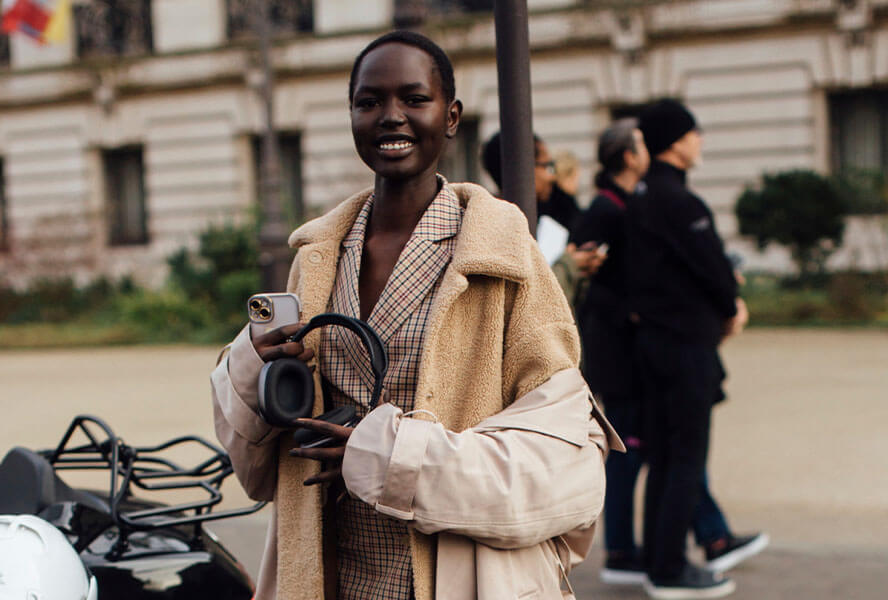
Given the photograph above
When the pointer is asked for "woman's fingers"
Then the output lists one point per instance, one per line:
(334, 453)
(324, 477)
(274, 344)
(340, 432)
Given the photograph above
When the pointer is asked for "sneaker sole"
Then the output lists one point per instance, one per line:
(734, 558)
(618, 577)
(679, 593)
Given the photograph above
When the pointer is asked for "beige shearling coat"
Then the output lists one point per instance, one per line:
(500, 329)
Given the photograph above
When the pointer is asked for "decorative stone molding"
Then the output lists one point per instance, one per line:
(854, 18)
(628, 33)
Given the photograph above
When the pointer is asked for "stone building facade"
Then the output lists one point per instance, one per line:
(120, 145)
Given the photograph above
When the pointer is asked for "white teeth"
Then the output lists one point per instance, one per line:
(395, 145)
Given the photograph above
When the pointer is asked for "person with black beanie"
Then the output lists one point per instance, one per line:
(684, 292)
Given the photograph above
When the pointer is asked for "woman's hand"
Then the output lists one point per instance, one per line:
(330, 456)
(587, 257)
(273, 344)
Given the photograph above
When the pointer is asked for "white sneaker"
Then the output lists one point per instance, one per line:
(735, 551)
(693, 583)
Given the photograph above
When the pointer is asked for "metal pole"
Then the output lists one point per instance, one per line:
(516, 123)
(273, 253)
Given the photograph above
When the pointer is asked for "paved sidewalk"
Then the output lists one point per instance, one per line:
(799, 450)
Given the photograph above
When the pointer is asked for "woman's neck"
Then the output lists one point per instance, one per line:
(627, 180)
(399, 205)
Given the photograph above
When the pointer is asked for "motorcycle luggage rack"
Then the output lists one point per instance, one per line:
(142, 467)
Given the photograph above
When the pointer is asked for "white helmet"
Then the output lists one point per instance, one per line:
(38, 563)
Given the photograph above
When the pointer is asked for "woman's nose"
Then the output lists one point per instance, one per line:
(392, 115)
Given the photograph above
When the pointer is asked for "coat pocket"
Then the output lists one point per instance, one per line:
(521, 574)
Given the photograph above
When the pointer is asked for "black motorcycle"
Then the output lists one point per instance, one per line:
(137, 549)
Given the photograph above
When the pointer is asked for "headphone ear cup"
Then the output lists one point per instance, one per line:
(286, 392)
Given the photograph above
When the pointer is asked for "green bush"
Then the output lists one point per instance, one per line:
(166, 316)
(57, 300)
(220, 276)
(800, 209)
(845, 298)
(204, 300)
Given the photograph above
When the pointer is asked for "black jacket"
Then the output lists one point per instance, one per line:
(561, 206)
(602, 313)
(680, 279)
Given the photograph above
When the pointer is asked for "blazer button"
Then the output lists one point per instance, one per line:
(315, 257)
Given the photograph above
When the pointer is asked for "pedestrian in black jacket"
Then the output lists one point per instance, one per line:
(684, 291)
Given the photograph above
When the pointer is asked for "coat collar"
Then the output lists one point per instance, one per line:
(481, 248)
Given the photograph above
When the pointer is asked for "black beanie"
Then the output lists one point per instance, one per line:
(663, 123)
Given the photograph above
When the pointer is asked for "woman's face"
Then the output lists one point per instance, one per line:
(400, 117)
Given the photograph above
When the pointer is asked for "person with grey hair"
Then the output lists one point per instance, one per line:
(608, 333)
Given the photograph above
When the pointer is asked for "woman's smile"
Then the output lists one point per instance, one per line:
(395, 146)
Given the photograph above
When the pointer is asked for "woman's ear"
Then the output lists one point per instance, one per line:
(453, 115)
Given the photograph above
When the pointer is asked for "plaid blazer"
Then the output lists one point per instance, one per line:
(373, 550)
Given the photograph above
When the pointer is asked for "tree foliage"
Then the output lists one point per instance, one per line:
(799, 209)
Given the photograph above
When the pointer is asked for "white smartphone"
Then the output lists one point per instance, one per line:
(602, 249)
(272, 310)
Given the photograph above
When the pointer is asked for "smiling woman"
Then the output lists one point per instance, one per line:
(488, 450)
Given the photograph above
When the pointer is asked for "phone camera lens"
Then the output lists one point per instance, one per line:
(255, 304)
(264, 313)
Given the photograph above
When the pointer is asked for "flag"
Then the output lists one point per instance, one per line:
(60, 23)
(42, 20)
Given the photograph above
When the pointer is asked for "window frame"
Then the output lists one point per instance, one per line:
(115, 212)
(295, 210)
(4, 210)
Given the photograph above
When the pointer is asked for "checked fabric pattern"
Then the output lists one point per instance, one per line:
(373, 549)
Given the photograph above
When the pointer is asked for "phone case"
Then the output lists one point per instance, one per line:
(272, 310)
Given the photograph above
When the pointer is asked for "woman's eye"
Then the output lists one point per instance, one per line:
(366, 103)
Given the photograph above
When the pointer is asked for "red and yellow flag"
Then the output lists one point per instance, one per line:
(42, 20)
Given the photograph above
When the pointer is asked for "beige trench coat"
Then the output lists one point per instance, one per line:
(500, 329)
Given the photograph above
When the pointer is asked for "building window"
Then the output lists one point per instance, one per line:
(461, 157)
(4, 211)
(125, 196)
(287, 17)
(290, 148)
(4, 50)
(113, 28)
(409, 13)
(859, 130)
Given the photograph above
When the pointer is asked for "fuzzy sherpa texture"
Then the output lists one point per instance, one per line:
(500, 327)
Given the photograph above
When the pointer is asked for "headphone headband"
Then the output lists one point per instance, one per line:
(369, 338)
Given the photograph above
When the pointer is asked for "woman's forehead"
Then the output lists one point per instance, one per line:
(395, 62)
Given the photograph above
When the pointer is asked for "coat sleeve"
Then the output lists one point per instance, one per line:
(251, 443)
(529, 473)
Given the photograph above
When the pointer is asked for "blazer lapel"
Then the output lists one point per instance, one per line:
(346, 299)
(423, 259)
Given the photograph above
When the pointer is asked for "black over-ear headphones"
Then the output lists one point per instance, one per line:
(286, 385)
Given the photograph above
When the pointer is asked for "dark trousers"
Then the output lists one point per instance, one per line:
(709, 522)
(680, 380)
(622, 472)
